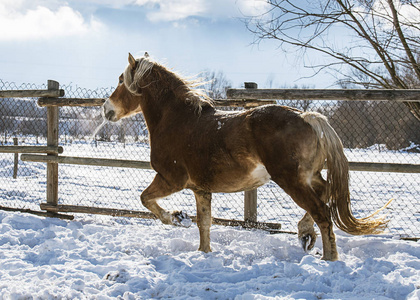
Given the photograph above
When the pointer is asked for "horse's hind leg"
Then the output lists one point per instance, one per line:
(320, 213)
(160, 188)
(306, 232)
(203, 200)
(329, 246)
(320, 186)
(306, 197)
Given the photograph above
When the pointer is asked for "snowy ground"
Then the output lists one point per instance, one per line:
(44, 258)
(107, 258)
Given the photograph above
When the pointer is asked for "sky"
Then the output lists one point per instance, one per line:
(86, 42)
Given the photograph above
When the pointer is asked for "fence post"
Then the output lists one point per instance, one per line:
(52, 140)
(250, 208)
(16, 160)
(250, 197)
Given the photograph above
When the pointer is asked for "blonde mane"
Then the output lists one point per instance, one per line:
(131, 80)
(182, 87)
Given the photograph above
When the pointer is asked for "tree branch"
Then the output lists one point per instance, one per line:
(413, 62)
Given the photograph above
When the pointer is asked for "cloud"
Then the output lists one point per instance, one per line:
(252, 8)
(45, 19)
(22, 20)
(175, 10)
(407, 13)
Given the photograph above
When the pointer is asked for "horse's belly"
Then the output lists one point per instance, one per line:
(234, 182)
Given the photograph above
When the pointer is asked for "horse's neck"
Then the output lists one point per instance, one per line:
(167, 112)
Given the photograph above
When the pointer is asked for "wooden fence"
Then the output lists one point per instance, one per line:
(248, 97)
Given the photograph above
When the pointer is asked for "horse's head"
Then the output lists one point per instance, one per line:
(143, 79)
(125, 100)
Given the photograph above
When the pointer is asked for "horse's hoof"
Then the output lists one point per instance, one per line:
(332, 257)
(307, 242)
(304, 241)
(180, 218)
(205, 250)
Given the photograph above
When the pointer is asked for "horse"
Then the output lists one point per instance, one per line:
(195, 146)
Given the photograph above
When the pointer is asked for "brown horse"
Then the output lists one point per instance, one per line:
(194, 146)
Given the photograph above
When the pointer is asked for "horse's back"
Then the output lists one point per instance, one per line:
(280, 125)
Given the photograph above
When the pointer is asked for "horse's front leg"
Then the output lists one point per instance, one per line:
(160, 188)
(203, 201)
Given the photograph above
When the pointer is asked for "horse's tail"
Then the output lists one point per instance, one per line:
(338, 192)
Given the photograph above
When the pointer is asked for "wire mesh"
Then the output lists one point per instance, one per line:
(370, 131)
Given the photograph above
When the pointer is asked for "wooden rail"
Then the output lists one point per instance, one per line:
(38, 213)
(120, 163)
(32, 93)
(70, 102)
(148, 215)
(384, 167)
(46, 102)
(245, 103)
(326, 94)
(31, 149)
(87, 161)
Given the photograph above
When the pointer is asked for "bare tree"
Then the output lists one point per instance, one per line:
(369, 43)
(303, 105)
(215, 84)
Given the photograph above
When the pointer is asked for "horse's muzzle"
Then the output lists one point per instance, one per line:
(108, 111)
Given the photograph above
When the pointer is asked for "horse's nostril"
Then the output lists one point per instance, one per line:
(109, 115)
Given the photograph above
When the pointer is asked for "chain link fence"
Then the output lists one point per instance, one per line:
(371, 132)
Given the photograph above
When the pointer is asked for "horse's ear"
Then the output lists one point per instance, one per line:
(131, 61)
(146, 54)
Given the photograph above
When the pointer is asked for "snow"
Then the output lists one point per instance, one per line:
(46, 258)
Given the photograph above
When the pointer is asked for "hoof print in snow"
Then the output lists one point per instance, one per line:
(181, 219)
(119, 276)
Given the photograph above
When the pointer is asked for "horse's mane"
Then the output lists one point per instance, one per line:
(183, 88)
